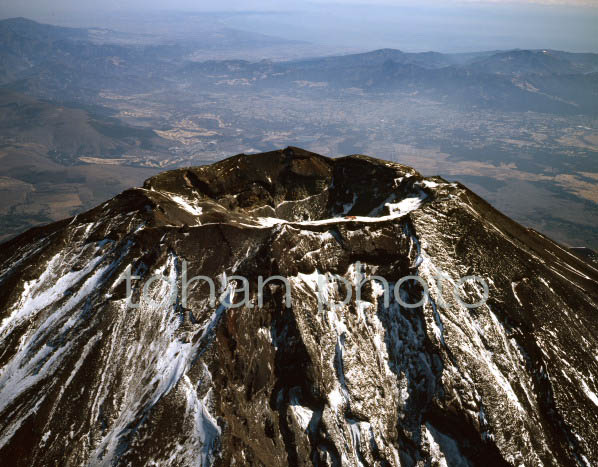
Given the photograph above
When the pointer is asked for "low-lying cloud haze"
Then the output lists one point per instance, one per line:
(447, 26)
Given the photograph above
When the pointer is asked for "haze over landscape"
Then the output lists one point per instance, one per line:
(501, 104)
(443, 26)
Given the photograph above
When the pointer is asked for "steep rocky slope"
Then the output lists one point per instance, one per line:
(86, 379)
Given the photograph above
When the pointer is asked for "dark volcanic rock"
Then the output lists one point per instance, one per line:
(586, 253)
(87, 380)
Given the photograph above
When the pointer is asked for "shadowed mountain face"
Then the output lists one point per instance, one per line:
(322, 379)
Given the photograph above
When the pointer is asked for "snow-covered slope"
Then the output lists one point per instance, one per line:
(86, 379)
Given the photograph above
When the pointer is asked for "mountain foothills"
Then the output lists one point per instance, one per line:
(69, 132)
(59, 160)
(86, 379)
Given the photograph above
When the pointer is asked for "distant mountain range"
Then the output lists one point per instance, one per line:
(68, 63)
(518, 80)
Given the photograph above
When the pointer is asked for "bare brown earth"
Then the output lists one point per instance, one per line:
(58, 160)
(36, 190)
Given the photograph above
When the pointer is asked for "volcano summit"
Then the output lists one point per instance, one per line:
(87, 380)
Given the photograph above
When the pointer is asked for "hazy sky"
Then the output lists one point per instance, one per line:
(30, 6)
(442, 25)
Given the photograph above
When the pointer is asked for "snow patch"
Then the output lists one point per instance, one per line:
(513, 285)
(429, 184)
(187, 206)
(302, 414)
(397, 210)
(588, 392)
(207, 431)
